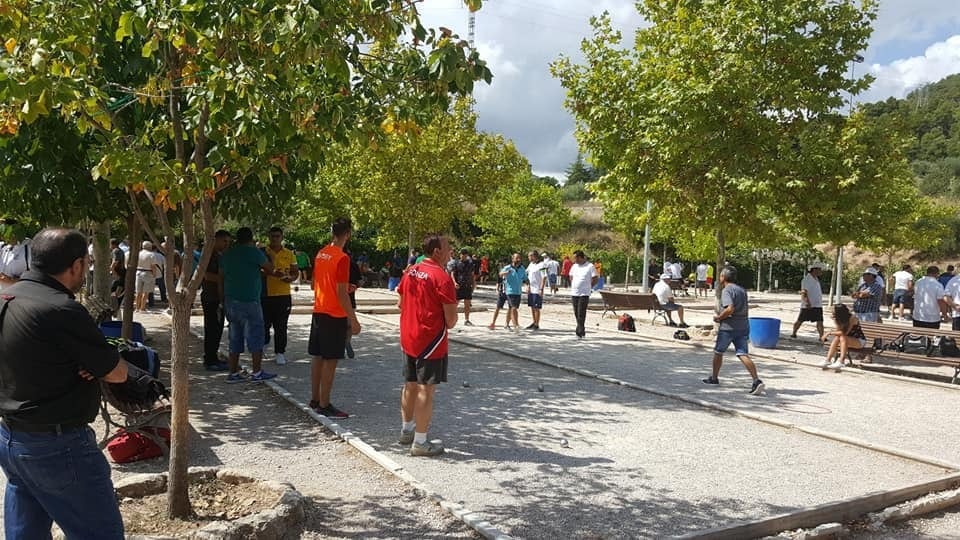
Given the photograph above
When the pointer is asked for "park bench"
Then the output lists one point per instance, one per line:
(891, 341)
(679, 285)
(612, 301)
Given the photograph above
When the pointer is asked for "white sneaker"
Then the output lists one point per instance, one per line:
(825, 364)
(836, 365)
(281, 359)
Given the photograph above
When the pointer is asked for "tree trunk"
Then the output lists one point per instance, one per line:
(102, 259)
(178, 498)
(130, 281)
(833, 280)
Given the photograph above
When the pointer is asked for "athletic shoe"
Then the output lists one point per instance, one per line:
(219, 366)
(426, 449)
(531, 327)
(237, 377)
(332, 412)
(825, 364)
(492, 327)
(281, 359)
(315, 406)
(838, 365)
(261, 376)
(350, 353)
(672, 324)
(467, 323)
(406, 437)
(757, 388)
(710, 380)
(684, 325)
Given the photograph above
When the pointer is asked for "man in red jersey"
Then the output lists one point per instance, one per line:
(428, 308)
(333, 317)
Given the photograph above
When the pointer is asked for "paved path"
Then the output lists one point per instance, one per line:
(638, 464)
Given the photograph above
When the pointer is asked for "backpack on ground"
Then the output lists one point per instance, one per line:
(129, 446)
(682, 335)
(948, 347)
(138, 354)
(626, 324)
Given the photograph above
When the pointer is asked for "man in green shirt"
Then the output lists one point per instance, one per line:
(242, 282)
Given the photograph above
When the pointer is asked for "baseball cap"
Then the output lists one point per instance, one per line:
(871, 270)
(664, 276)
(817, 264)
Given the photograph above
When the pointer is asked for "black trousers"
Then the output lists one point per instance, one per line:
(212, 330)
(580, 312)
(276, 312)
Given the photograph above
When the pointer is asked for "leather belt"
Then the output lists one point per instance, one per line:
(14, 425)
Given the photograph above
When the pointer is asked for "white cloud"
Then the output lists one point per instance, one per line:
(914, 20)
(899, 77)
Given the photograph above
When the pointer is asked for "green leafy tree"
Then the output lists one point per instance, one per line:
(419, 180)
(701, 113)
(522, 213)
(192, 98)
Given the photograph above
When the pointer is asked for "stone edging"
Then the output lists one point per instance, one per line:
(271, 523)
(469, 517)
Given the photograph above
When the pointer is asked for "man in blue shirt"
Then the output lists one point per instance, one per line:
(734, 328)
(513, 276)
(241, 266)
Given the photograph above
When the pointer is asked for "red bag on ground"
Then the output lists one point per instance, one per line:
(130, 446)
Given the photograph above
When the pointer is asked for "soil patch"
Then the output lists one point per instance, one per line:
(212, 499)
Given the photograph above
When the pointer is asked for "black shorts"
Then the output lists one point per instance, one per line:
(425, 371)
(328, 336)
(513, 300)
(810, 314)
(465, 293)
(501, 300)
(535, 300)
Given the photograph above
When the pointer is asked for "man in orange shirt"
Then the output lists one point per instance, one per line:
(333, 317)
(428, 308)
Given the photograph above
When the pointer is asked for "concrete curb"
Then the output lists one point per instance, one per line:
(471, 518)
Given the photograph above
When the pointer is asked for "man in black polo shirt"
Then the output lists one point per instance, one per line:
(51, 353)
(211, 299)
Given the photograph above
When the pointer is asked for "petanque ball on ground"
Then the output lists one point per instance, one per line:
(540, 388)
(466, 384)
(564, 443)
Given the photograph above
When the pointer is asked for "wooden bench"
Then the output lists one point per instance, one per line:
(612, 301)
(890, 341)
(679, 285)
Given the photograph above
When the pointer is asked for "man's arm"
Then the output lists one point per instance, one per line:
(117, 374)
(450, 315)
(725, 313)
(343, 294)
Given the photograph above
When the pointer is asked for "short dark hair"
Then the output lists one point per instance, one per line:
(275, 230)
(729, 274)
(341, 226)
(431, 242)
(465, 251)
(932, 270)
(579, 253)
(54, 250)
(222, 234)
(244, 235)
(114, 242)
(949, 268)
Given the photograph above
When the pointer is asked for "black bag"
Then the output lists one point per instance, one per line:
(948, 347)
(138, 354)
(626, 324)
(681, 335)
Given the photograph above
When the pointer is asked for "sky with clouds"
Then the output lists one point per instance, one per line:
(914, 42)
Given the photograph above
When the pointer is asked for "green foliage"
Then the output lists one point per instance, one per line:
(416, 181)
(549, 180)
(580, 172)
(931, 116)
(575, 192)
(522, 213)
(702, 116)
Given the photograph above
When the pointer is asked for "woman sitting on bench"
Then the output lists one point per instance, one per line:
(848, 335)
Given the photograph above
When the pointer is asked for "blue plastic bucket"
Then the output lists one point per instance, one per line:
(112, 329)
(764, 332)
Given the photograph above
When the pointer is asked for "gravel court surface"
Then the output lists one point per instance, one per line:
(624, 473)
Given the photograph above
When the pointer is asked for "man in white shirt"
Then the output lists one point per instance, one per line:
(952, 298)
(665, 296)
(811, 300)
(537, 279)
(902, 286)
(929, 306)
(553, 270)
(14, 252)
(702, 279)
(583, 276)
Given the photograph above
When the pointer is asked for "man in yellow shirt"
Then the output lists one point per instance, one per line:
(276, 301)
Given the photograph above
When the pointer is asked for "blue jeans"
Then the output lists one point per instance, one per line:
(246, 324)
(739, 340)
(57, 477)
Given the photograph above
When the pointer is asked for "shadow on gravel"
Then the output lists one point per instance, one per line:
(374, 517)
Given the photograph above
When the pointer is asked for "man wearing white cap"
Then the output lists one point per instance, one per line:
(811, 300)
(866, 299)
(665, 297)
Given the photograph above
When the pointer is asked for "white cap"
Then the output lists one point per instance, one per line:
(664, 276)
(817, 264)
(871, 270)
(146, 245)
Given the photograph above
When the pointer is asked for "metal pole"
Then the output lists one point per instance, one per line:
(839, 275)
(646, 252)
